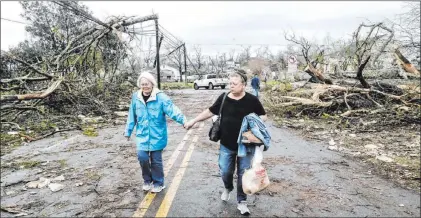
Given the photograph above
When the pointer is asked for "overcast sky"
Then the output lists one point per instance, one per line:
(218, 25)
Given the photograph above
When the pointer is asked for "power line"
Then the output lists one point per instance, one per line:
(142, 33)
(169, 46)
(169, 41)
(14, 21)
(175, 41)
(232, 44)
(167, 38)
(169, 33)
(144, 27)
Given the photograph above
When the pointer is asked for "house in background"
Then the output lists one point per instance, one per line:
(231, 64)
(167, 73)
(171, 74)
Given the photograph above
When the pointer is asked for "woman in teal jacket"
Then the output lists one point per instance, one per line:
(147, 112)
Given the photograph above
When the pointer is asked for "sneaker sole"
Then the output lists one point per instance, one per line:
(229, 195)
(244, 213)
(159, 190)
(226, 199)
(147, 189)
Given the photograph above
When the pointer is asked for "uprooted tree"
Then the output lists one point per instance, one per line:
(347, 100)
(71, 66)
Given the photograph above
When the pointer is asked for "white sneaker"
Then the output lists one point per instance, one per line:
(242, 206)
(225, 195)
(147, 187)
(157, 189)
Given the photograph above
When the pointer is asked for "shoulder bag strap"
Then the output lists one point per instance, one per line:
(222, 104)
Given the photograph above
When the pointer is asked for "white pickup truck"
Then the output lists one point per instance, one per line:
(210, 81)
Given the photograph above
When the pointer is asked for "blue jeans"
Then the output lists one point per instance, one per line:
(152, 167)
(256, 92)
(226, 163)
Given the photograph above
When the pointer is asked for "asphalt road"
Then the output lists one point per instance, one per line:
(306, 178)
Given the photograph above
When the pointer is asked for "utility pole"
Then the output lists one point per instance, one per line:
(160, 42)
(158, 67)
(197, 72)
(185, 63)
(174, 50)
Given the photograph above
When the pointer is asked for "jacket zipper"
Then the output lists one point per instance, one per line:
(149, 129)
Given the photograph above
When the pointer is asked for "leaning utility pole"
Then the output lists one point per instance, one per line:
(158, 67)
(197, 72)
(159, 45)
(179, 60)
(185, 63)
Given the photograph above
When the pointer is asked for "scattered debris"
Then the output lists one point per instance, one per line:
(55, 187)
(121, 113)
(384, 158)
(42, 182)
(58, 178)
(371, 146)
(15, 210)
(10, 192)
(333, 148)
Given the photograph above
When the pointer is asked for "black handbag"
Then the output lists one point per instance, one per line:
(215, 131)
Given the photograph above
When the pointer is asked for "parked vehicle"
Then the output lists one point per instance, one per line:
(210, 81)
(192, 78)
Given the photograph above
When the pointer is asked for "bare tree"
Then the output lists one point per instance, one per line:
(222, 62)
(313, 56)
(231, 55)
(364, 43)
(280, 59)
(176, 59)
(257, 65)
(408, 27)
(245, 55)
(149, 54)
(213, 64)
(198, 58)
(206, 64)
(263, 52)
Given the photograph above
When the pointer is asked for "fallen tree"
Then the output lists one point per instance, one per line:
(406, 64)
(344, 100)
(74, 68)
(341, 101)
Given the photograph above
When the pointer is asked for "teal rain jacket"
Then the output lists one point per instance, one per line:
(149, 119)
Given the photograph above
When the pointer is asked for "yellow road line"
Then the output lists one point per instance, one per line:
(174, 156)
(172, 190)
(147, 200)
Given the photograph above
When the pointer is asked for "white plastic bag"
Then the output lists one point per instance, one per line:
(255, 179)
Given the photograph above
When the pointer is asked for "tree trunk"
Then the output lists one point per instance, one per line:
(405, 64)
(316, 74)
(51, 89)
(360, 74)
